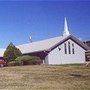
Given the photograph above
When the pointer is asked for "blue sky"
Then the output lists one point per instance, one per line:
(42, 20)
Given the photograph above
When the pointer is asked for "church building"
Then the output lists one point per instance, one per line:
(65, 49)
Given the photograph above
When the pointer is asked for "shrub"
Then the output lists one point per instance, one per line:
(11, 53)
(28, 60)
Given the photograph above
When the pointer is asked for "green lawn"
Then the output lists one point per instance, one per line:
(43, 77)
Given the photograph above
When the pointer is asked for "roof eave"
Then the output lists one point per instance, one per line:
(37, 51)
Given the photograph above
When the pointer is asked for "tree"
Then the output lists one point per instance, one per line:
(11, 52)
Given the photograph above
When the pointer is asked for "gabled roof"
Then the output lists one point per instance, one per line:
(40, 45)
(76, 40)
(48, 44)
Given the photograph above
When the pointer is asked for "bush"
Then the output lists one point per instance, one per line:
(28, 60)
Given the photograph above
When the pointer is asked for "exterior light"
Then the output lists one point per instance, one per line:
(59, 48)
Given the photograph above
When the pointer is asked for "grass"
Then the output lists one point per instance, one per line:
(43, 77)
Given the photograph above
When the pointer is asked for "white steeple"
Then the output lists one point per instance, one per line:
(66, 32)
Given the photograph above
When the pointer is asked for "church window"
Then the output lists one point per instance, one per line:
(73, 52)
(65, 48)
(69, 49)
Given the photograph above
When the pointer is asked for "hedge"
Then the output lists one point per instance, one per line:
(28, 60)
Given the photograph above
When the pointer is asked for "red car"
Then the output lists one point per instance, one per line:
(2, 63)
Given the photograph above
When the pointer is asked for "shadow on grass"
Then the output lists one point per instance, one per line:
(79, 75)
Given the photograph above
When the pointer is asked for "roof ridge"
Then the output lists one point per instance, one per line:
(40, 40)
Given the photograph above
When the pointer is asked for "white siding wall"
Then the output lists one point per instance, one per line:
(46, 61)
(59, 57)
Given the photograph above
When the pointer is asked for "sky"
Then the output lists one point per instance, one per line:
(42, 20)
